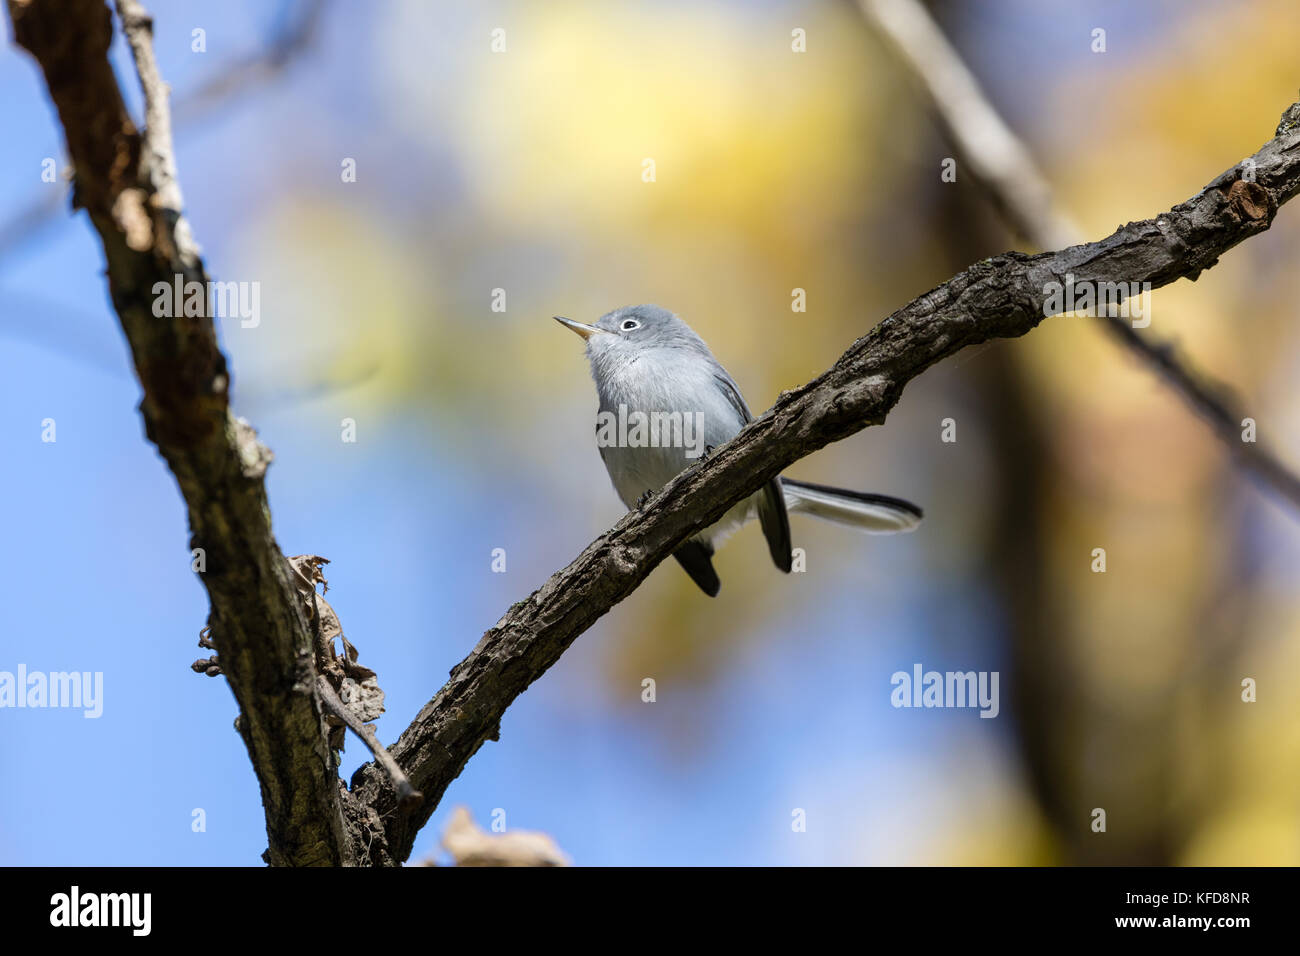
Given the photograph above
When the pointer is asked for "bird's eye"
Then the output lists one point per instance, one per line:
(630, 324)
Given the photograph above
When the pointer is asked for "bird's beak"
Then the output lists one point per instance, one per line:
(581, 328)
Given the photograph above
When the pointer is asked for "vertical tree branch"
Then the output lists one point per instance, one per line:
(127, 183)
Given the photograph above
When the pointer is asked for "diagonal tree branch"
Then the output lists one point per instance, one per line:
(1001, 297)
(1020, 192)
(261, 632)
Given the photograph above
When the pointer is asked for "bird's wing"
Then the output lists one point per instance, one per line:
(732, 394)
(771, 503)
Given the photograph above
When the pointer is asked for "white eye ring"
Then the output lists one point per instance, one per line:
(630, 324)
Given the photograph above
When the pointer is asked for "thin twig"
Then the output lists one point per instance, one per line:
(407, 796)
(137, 24)
(1004, 167)
(231, 80)
(32, 218)
(247, 71)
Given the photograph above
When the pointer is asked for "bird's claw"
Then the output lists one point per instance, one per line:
(645, 496)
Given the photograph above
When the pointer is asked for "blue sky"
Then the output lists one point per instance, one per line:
(95, 576)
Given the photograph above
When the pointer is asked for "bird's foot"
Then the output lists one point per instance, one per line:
(641, 502)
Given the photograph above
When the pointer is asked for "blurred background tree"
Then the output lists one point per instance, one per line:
(775, 170)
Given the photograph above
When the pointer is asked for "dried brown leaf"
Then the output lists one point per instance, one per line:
(471, 845)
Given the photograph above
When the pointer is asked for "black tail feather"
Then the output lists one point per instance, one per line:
(864, 496)
(697, 558)
(776, 524)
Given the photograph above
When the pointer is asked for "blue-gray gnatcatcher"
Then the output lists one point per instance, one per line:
(664, 401)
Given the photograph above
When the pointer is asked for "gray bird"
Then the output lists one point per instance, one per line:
(664, 401)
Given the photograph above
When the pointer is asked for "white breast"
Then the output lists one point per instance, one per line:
(659, 381)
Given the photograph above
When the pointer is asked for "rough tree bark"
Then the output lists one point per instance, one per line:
(1021, 194)
(125, 181)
